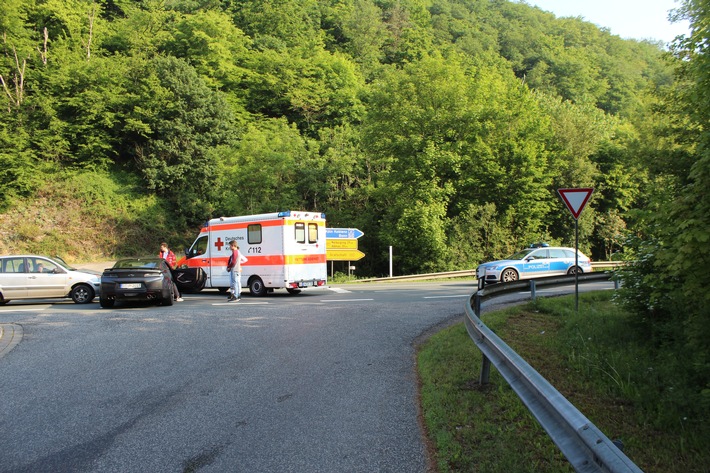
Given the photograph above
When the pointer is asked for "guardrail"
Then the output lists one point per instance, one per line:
(472, 273)
(585, 446)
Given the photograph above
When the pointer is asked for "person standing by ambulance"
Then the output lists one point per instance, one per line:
(234, 268)
(169, 257)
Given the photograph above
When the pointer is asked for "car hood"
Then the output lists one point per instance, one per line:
(499, 262)
(85, 271)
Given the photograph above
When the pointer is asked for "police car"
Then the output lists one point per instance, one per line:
(539, 260)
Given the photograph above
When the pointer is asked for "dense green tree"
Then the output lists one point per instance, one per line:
(280, 24)
(173, 122)
(664, 286)
(260, 173)
(213, 45)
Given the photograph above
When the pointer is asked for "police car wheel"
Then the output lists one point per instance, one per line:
(509, 275)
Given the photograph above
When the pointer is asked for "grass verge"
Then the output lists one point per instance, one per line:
(592, 357)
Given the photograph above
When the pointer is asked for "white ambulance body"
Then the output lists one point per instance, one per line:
(284, 250)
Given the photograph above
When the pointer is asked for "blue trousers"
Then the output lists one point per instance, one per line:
(235, 282)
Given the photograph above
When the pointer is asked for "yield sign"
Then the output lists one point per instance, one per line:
(576, 199)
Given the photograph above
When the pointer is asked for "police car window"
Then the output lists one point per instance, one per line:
(557, 253)
(300, 229)
(254, 234)
(312, 233)
(540, 254)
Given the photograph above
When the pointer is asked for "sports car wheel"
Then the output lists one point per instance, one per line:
(509, 275)
(106, 302)
(82, 294)
(168, 300)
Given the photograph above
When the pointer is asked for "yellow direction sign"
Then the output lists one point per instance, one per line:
(343, 255)
(342, 244)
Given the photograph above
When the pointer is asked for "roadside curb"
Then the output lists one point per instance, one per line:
(10, 335)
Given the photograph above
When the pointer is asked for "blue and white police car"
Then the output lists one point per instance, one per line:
(537, 261)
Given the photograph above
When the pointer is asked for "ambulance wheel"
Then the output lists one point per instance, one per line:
(293, 292)
(256, 287)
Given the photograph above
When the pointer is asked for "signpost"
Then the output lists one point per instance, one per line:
(576, 200)
(339, 233)
(341, 245)
(344, 255)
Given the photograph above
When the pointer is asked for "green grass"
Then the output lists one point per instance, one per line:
(90, 215)
(629, 390)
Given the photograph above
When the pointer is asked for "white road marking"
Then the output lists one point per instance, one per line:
(339, 290)
(444, 297)
(345, 300)
(240, 303)
(21, 310)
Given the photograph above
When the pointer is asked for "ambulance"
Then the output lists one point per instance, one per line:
(284, 250)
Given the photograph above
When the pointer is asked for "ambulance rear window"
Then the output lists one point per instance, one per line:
(300, 228)
(254, 234)
(312, 233)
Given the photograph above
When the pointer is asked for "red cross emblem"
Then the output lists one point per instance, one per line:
(219, 243)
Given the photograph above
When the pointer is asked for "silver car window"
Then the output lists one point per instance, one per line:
(41, 265)
(13, 265)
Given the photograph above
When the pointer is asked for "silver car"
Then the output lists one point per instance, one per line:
(41, 277)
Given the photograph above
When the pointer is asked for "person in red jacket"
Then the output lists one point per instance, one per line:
(168, 255)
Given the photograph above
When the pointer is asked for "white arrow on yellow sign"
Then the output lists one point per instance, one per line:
(342, 244)
(343, 255)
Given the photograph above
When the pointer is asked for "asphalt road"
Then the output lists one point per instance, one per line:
(320, 382)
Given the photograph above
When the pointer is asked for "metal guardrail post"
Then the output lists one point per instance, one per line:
(533, 295)
(486, 365)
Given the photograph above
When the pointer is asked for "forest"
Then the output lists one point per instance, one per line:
(441, 128)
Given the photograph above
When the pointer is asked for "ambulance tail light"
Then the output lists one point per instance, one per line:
(321, 282)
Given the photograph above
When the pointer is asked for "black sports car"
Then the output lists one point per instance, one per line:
(137, 279)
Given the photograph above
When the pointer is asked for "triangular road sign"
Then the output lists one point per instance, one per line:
(576, 199)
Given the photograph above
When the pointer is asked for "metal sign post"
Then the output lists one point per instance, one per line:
(576, 200)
